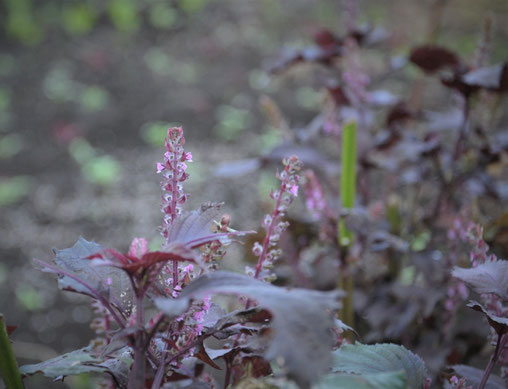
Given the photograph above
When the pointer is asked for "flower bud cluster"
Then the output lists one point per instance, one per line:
(353, 76)
(173, 170)
(315, 200)
(185, 275)
(267, 253)
(459, 383)
(216, 250)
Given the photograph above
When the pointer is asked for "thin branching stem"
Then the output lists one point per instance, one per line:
(500, 344)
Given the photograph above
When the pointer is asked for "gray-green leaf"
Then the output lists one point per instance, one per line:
(371, 360)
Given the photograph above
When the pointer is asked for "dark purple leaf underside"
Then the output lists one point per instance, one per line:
(77, 274)
(500, 324)
(433, 58)
(193, 229)
(489, 277)
(301, 319)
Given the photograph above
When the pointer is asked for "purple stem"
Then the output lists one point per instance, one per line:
(501, 342)
(137, 376)
(462, 130)
(162, 367)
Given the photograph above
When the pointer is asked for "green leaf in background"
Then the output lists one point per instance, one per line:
(81, 151)
(10, 145)
(124, 15)
(232, 122)
(3, 272)
(93, 98)
(421, 241)
(13, 189)
(266, 183)
(158, 61)
(192, 6)
(270, 138)
(103, 170)
(5, 98)
(380, 363)
(58, 84)
(29, 298)
(78, 19)
(21, 23)
(154, 133)
(308, 98)
(162, 16)
(391, 380)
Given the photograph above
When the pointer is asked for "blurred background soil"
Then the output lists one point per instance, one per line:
(87, 90)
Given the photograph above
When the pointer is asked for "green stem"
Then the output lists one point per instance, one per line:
(347, 179)
(8, 364)
(344, 235)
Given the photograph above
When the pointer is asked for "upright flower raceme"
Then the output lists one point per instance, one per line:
(267, 253)
(173, 170)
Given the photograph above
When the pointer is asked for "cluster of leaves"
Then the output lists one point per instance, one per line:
(159, 325)
(421, 172)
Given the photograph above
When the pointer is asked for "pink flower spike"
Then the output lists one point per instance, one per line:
(294, 190)
(174, 167)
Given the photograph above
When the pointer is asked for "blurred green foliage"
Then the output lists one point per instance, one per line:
(192, 6)
(104, 170)
(232, 122)
(28, 21)
(29, 298)
(267, 182)
(3, 272)
(21, 23)
(12, 189)
(78, 19)
(124, 15)
(270, 138)
(98, 169)
(5, 104)
(93, 98)
(154, 133)
(162, 15)
(308, 98)
(10, 145)
(420, 241)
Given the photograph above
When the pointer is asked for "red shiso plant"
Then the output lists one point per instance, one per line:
(159, 323)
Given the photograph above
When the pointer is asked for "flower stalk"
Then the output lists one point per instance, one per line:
(274, 226)
(173, 170)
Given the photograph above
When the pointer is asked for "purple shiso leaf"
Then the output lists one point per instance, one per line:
(301, 319)
(193, 229)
